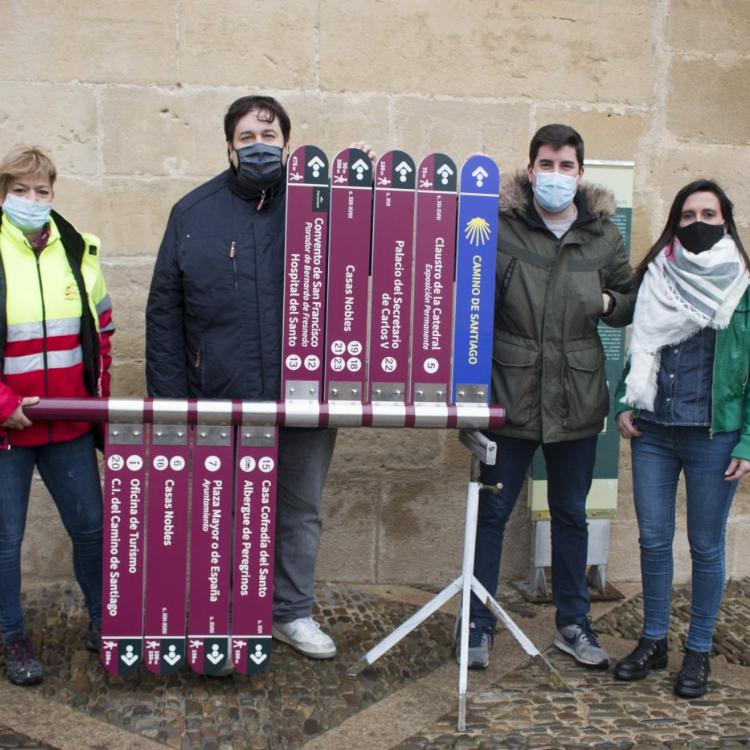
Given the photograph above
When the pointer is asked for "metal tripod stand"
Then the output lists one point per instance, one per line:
(482, 450)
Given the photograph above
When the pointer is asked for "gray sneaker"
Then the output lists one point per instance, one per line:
(579, 640)
(480, 643)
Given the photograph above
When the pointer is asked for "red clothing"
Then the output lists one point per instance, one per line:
(43, 355)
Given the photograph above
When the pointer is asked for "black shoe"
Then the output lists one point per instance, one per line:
(93, 639)
(692, 680)
(21, 665)
(647, 655)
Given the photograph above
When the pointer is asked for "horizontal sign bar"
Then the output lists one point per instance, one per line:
(290, 414)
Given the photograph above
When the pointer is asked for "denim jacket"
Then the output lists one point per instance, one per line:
(683, 395)
(730, 404)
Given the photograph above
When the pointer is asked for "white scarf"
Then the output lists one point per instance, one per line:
(681, 293)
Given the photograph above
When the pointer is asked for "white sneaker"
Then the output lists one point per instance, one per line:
(305, 635)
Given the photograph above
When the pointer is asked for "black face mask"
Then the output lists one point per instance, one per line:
(259, 168)
(699, 236)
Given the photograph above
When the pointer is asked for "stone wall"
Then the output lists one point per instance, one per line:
(129, 98)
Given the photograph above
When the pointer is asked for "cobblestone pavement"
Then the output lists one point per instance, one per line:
(732, 634)
(524, 711)
(296, 699)
(299, 699)
(10, 740)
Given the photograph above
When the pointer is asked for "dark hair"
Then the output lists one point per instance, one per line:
(238, 109)
(675, 214)
(557, 136)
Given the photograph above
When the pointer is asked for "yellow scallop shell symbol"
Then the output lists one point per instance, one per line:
(477, 231)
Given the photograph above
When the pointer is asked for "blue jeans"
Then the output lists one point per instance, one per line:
(304, 458)
(658, 457)
(70, 472)
(570, 468)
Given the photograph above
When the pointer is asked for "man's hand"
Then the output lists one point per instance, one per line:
(367, 148)
(18, 420)
(607, 303)
(737, 469)
(626, 425)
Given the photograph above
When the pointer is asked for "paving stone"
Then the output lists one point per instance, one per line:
(10, 740)
(604, 714)
(293, 701)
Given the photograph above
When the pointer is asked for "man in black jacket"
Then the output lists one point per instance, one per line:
(214, 330)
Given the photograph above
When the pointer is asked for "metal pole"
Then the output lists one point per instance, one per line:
(268, 413)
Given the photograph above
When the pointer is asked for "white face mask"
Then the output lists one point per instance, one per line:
(554, 191)
(26, 214)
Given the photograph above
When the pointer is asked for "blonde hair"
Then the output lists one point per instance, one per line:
(21, 161)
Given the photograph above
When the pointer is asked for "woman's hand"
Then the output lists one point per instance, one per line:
(626, 425)
(737, 469)
(18, 420)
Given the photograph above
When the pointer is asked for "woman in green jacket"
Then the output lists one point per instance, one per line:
(683, 404)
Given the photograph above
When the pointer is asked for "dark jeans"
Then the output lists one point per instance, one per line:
(659, 456)
(570, 467)
(70, 472)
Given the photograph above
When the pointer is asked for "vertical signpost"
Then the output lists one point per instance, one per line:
(434, 260)
(307, 202)
(348, 275)
(166, 550)
(476, 251)
(123, 545)
(254, 534)
(210, 546)
(601, 504)
(392, 256)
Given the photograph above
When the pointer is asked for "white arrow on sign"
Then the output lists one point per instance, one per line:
(445, 172)
(317, 164)
(403, 169)
(480, 173)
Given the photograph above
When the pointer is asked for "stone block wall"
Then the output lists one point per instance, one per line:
(129, 98)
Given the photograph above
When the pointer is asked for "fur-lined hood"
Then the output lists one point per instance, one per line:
(514, 195)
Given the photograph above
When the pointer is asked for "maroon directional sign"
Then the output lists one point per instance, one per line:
(307, 201)
(254, 529)
(166, 550)
(434, 260)
(123, 544)
(210, 548)
(348, 275)
(392, 255)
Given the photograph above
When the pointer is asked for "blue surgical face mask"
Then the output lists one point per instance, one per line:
(27, 215)
(554, 191)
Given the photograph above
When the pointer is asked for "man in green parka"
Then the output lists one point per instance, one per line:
(561, 267)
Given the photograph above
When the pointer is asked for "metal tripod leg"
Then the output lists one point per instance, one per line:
(484, 450)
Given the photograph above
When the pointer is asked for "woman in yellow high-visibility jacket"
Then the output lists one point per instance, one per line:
(55, 329)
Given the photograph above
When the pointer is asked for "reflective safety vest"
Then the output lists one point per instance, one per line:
(50, 343)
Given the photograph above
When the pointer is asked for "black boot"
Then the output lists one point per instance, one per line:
(21, 665)
(647, 655)
(692, 680)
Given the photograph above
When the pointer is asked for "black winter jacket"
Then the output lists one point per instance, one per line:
(213, 318)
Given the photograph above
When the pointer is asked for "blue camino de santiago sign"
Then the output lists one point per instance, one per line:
(476, 249)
